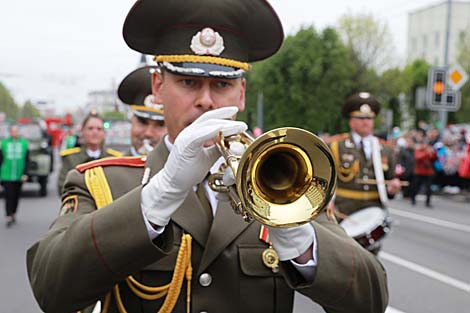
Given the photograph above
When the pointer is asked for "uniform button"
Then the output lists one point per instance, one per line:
(366, 187)
(205, 280)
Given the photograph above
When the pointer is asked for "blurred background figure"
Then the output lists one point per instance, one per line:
(406, 162)
(91, 147)
(14, 159)
(424, 170)
(71, 138)
(147, 120)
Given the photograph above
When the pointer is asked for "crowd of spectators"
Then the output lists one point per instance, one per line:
(433, 161)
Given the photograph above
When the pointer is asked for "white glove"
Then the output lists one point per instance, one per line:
(187, 165)
(290, 243)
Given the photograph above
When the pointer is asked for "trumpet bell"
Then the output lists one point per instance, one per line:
(286, 177)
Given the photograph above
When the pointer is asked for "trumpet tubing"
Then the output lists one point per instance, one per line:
(284, 178)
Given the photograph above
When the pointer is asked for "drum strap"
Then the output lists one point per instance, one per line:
(378, 170)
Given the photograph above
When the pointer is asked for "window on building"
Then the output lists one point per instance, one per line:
(437, 39)
(425, 42)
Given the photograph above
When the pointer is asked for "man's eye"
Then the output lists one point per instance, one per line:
(188, 82)
(223, 84)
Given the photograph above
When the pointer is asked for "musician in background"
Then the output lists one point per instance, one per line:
(147, 122)
(92, 147)
(166, 243)
(363, 162)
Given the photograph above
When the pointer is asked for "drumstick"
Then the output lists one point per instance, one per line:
(374, 182)
(340, 215)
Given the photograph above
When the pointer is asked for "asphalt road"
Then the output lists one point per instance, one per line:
(427, 255)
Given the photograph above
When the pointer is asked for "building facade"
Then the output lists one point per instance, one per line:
(104, 101)
(427, 32)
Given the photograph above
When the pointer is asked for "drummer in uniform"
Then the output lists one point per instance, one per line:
(147, 121)
(365, 164)
(147, 234)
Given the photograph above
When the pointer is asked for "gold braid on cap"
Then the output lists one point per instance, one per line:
(203, 59)
(136, 107)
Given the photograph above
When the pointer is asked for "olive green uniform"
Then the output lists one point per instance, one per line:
(74, 156)
(87, 251)
(352, 164)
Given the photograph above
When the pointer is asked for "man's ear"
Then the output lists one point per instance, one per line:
(157, 82)
(241, 103)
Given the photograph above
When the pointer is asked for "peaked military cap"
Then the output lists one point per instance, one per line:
(208, 38)
(361, 104)
(136, 90)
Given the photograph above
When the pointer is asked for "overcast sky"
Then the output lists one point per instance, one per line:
(60, 50)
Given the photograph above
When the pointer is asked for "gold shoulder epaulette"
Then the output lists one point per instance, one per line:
(69, 151)
(136, 161)
(114, 152)
(337, 137)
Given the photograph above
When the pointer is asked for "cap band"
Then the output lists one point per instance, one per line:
(361, 114)
(146, 108)
(203, 59)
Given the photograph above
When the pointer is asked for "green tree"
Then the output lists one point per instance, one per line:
(7, 103)
(416, 75)
(113, 115)
(369, 40)
(463, 58)
(29, 110)
(304, 84)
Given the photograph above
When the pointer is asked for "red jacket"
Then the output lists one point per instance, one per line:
(424, 158)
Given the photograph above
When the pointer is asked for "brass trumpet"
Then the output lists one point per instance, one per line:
(284, 178)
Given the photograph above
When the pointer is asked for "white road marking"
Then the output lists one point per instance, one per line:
(431, 220)
(392, 310)
(426, 271)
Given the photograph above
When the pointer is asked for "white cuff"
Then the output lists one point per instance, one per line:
(153, 233)
(308, 269)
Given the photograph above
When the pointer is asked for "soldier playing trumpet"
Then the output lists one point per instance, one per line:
(147, 235)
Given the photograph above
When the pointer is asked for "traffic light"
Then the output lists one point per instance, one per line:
(441, 97)
(438, 86)
(106, 124)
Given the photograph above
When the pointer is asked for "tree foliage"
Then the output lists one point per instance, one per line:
(113, 115)
(29, 110)
(463, 58)
(7, 103)
(369, 40)
(304, 84)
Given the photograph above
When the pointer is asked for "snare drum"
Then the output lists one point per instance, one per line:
(368, 226)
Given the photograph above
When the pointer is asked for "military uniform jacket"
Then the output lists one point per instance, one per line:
(352, 164)
(75, 156)
(87, 251)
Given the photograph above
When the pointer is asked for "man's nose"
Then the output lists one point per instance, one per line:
(204, 99)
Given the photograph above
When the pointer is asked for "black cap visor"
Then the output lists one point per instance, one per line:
(202, 70)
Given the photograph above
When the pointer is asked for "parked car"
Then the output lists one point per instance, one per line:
(40, 153)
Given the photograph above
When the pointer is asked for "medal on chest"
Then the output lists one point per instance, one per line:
(269, 257)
